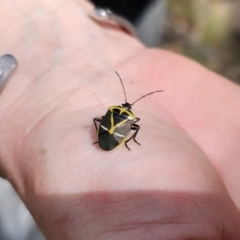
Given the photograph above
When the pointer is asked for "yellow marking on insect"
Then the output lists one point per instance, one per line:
(122, 110)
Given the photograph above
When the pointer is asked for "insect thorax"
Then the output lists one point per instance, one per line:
(123, 112)
(116, 117)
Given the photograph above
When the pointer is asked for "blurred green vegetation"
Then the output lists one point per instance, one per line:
(207, 31)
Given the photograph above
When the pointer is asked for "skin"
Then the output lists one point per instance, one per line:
(181, 183)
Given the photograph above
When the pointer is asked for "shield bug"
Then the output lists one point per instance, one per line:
(116, 124)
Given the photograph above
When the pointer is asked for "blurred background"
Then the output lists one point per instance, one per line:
(207, 31)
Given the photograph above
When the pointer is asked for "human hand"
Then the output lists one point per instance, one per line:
(181, 183)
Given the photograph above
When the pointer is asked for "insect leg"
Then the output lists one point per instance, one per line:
(137, 119)
(97, 120)
(136, 128)
(127, 146)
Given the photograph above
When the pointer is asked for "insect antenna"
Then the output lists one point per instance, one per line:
(123, 87)
(146, 95)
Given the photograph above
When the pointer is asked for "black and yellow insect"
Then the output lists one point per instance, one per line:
(116, 124)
